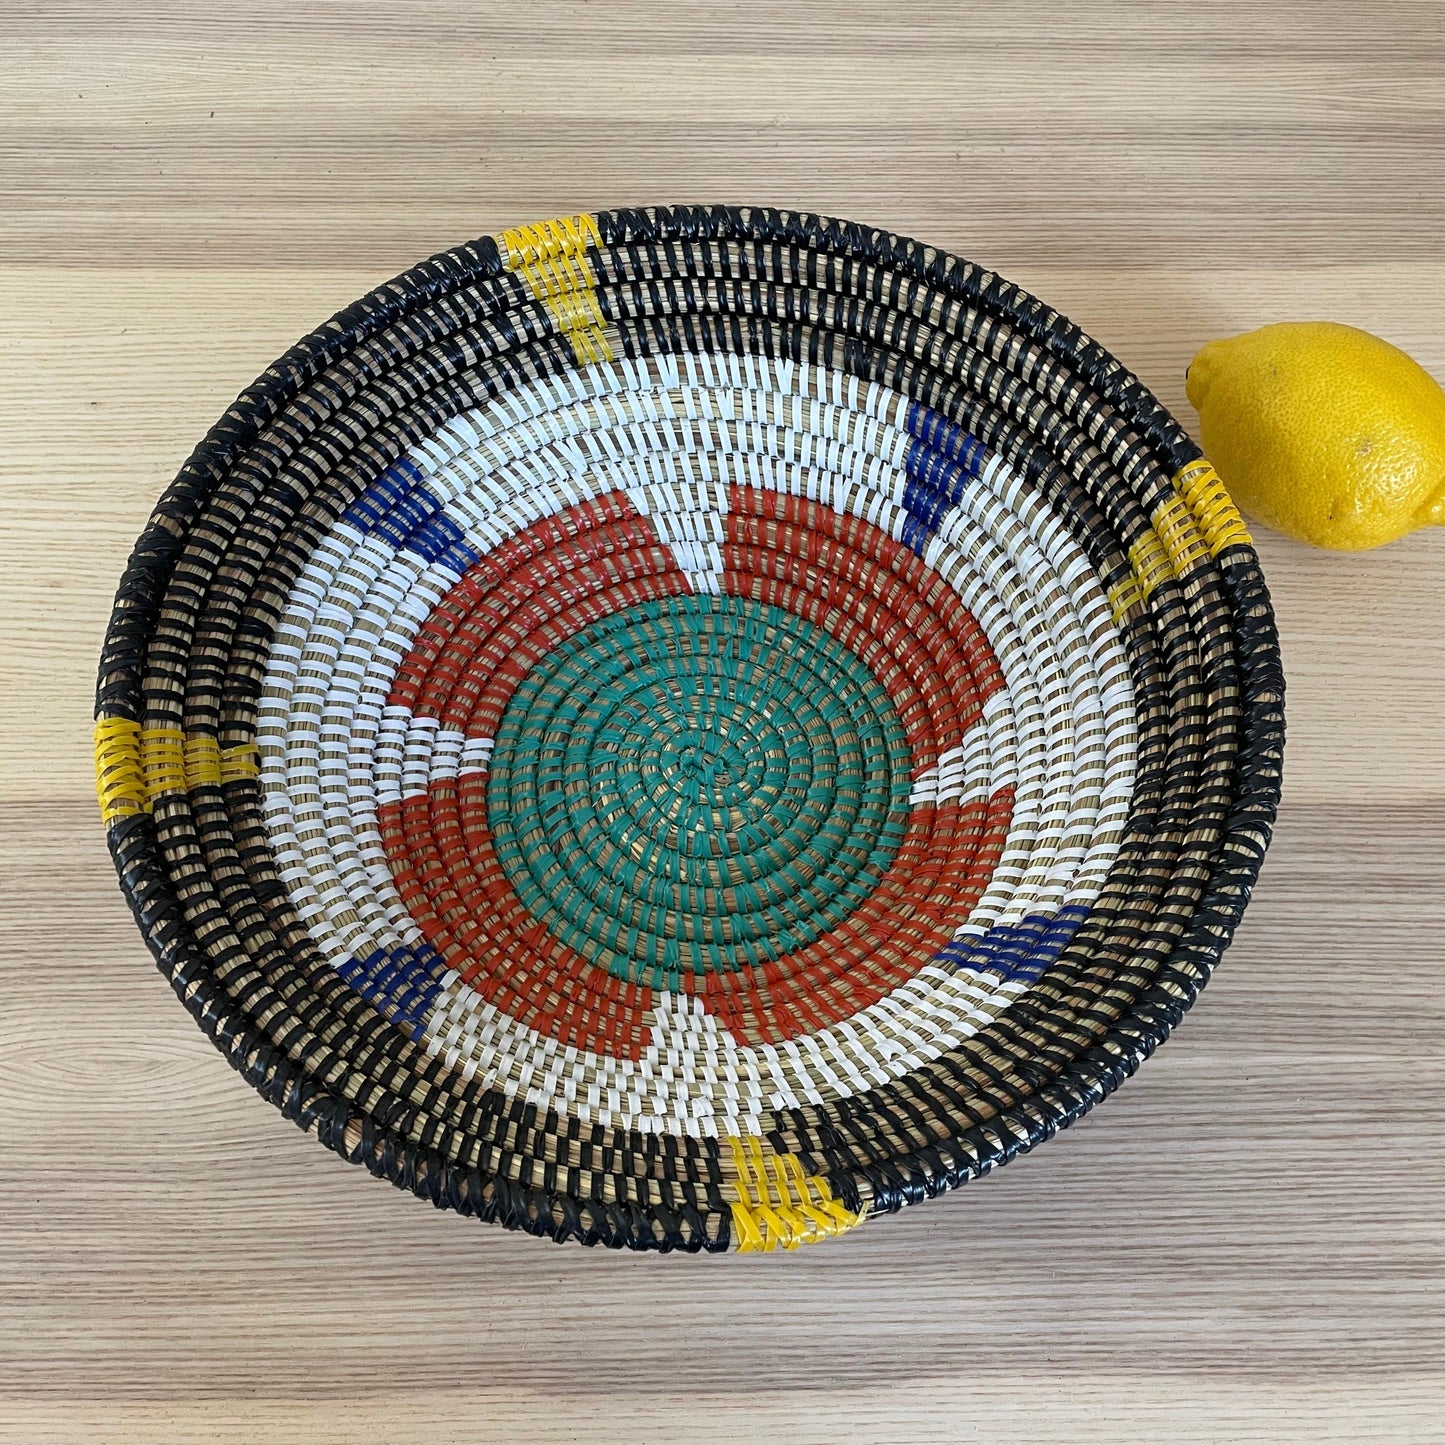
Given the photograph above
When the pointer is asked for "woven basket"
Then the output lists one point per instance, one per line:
(689, 729)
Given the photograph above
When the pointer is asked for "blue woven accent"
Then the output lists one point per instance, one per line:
(939, 434)
(916, 534)
(390, 489)
(439, 539)
(941, 463)
(924, 505)
(937, 473)
(1017, 952)
(954, 954)
(402, 508)
(411, 513)
(401, 982)
(1006, 949)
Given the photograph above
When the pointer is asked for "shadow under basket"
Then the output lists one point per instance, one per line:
(690, 729)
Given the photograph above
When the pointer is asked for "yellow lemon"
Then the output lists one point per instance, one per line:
(1323, 432)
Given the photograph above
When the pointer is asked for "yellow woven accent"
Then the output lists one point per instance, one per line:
(1201, 521)
(1150, 563)
(552, 256)
(578, 314)
(163, 760)
(1214, 514)
(203, 760)
(119, 781)
(208, 763)
(553, 271)
(1123, 598)
(1182, 539)
(134, 766)
(526, 246)
(239, 763)
(779, 1206)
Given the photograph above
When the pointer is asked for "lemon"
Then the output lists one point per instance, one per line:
(1323, 432)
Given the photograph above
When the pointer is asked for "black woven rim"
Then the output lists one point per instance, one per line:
(737, 279)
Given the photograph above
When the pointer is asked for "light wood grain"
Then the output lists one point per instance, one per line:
(1245, 1245)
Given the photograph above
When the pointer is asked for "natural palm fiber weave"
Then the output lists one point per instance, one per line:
(690, 728)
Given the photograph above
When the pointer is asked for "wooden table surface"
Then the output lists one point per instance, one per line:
(1246, 1244)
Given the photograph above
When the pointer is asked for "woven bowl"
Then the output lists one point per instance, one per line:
(689, 729)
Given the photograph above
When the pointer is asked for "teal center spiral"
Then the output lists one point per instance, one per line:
(696, 783)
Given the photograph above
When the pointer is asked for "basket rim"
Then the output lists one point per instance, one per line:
(1066, 1095)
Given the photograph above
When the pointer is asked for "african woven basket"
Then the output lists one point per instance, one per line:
(690, 729)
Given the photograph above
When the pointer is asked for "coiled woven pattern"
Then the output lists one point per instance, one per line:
(690, 728)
